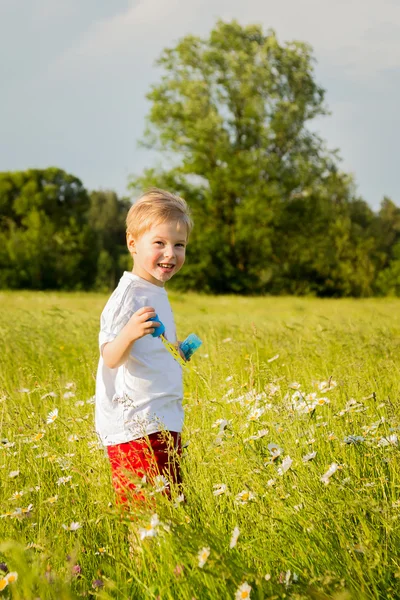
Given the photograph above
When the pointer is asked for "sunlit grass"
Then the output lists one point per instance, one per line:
(256, 412)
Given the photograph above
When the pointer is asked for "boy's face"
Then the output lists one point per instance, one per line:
(158, 253)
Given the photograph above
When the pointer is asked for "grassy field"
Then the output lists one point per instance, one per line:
(291, 472)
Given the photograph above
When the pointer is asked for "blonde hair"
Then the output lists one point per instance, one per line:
(157, 206)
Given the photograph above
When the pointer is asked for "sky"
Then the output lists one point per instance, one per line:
(74, 75)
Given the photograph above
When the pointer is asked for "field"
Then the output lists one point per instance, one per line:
(291, 469)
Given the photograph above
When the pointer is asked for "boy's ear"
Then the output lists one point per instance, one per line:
(130, 242)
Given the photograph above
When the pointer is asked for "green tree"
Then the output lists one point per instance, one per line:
(231, 114)
(44, 233)
(387, 232)
(106, 217)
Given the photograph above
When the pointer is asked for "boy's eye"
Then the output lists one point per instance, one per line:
(181, 245)
(158, 242)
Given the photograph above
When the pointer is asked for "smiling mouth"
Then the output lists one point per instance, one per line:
(165, 265)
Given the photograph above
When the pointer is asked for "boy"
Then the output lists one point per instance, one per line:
(139, 412)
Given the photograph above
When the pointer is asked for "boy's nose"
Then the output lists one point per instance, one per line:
(169, 252)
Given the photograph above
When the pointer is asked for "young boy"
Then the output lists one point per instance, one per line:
(139, 412)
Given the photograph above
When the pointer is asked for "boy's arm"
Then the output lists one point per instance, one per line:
(116, 353)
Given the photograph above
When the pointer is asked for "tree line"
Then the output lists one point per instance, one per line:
(273, 212)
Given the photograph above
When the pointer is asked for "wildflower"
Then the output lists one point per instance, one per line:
(13, 474)
(49, 395)
(150, 530)
(326, 476)
(222, 424)
(203, 555)
(270, 360)
(97, 583)
(322, 401)
(79, 403)
(17, 495)
(267, 577)
(271, 482)
(308, 457)
(73, 438)
(255, 414)
(295, 385)
(3, 567)
(274, 450)
(73, 527)
(285, 466)
(272, 389)
(260, 433)
(391, 439)
(226, 340)
(160, 483)
(38, 436)
(69, 385)
(229, 378)
(234, 538)
(244, 497)
(64, 480)
(24, 391)
(52, 499)
(68, 395)
(219, 489)
(243, 591)
(7, 444)
(11, 577)
(326, 386)
(179, 499)
(101, 551)
(76, 570)
(354, 439)
(52, 416)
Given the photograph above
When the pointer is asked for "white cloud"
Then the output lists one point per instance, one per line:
(359, 36)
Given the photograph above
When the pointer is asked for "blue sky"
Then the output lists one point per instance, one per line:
(74, 75)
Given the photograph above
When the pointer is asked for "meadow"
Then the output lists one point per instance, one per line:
(291, 459)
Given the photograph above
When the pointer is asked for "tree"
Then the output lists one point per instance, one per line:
(231, 113)
(106, 217)
(44, 234)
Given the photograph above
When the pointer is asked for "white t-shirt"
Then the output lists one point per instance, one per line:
(144, 395)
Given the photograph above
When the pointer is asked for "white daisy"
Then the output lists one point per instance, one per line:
(234, 538)
(219, 489)
(203, 555)
(308, 457)
(255, 414)
(160, 483)
(17, 495)
(52, 416)
(13, 474)
(285, 466)
(150, 530)
(64, 480)
(244, 497)
(326, 476)
(73, 527)
(243, 591)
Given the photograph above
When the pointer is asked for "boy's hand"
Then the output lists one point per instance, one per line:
(139, 325)
(178, 345)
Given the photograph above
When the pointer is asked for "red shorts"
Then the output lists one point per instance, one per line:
(157, 454)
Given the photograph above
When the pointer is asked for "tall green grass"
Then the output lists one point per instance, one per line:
(299, 537)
